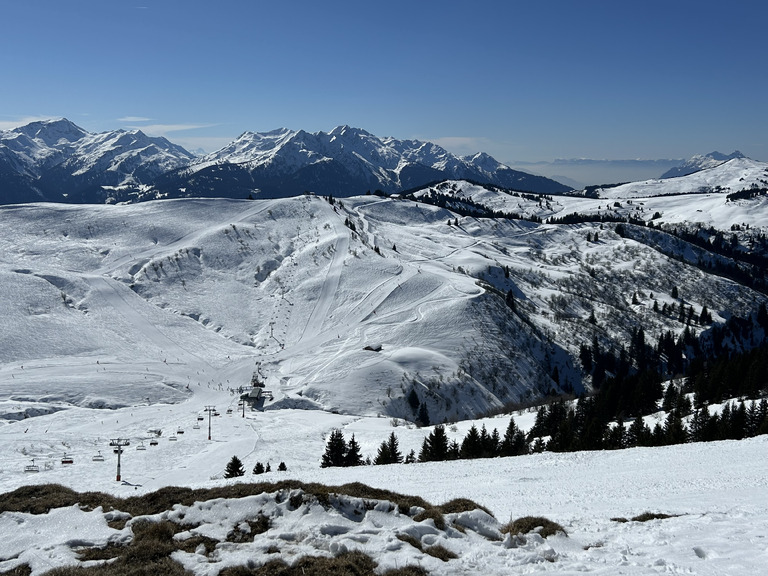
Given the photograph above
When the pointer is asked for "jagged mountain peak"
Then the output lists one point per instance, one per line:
(53, 132)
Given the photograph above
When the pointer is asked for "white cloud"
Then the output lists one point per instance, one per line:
(133, 119)
(11, 124)
(165, 129)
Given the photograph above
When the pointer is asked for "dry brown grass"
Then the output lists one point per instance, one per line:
(434, 514)
(462, 505)
(149, 551)
(41, 498)
(407, 571)
(440, 552)
(23, 570)
(259, 525)
(349, 564)
(528, 524)
(408, 539)
(645, 517)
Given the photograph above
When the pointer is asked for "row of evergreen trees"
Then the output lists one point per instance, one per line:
(560, 427)
(435, 447)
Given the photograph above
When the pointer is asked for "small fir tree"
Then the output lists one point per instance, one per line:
(353, 457)
(282, 467)
(234, 468)
(259, 468)
(335, 450)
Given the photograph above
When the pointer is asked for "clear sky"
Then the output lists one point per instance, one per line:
(523, 81)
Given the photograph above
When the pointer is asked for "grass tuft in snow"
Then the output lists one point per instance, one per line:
(646, 517)
(526, 524)
(434, 514)
(440, 552)
(462, 505)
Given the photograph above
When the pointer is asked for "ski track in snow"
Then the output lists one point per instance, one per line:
(718, 492)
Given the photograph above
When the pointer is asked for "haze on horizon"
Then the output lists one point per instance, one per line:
(524, 83)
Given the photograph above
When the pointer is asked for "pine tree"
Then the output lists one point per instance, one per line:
(638, 434)
(259, 468)
(234, 468)
(435, 446)
(383, 456)
(394, 449)
(353, 457)
(471, 446)
(282, 467)
(410, 458)
(389, 451)
(674, 430)
(454, 451)
(507, 443)
(335, 450)
(267, 468)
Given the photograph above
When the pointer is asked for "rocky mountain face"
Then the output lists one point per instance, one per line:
(343, 162)
(58, 161)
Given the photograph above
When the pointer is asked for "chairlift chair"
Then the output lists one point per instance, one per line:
(172, 438)
(32, 467)
(98, 457)
(66, 459)
(153, 442)
(141, 446)
(180, 431)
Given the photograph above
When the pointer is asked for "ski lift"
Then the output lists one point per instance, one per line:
(153, 442)
(98, 457)
(66, 459)
(229, 410)
(172, 438)
(200, 418)
(196, 426)
(180, 431)
(32, 467)
(141, 446)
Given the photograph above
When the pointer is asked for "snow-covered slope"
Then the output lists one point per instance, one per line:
(469, 314)
(700, 162)
(710, 498)
(731, 176)
(119, 321)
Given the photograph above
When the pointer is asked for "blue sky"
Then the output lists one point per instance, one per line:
(523, 81)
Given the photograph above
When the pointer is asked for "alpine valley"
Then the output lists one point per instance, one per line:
(376, 286)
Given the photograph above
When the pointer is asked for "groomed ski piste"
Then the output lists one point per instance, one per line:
(126, 321)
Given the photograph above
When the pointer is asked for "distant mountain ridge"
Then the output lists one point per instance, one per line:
(57, 161)
(343, 162)
(701, 162)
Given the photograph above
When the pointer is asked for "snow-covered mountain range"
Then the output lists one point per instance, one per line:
(343, 162)
(701, 162)
(59, 161)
